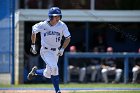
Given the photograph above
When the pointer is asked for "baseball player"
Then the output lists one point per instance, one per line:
(109, 68)
(94, 66)
(51, 31)
(136, 69)
(76, 67)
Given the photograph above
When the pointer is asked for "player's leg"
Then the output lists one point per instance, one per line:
(70, 72)
(51, 71)
(135, 71)
(82, 74)
(93, 75)
(40, 71)
(55, 77)
(118, 75)
(32, 73)
(91, 70)
(35, 70)
(53, 59)
(50, 58)
(55, 81)
(104, 74)
(47, 59)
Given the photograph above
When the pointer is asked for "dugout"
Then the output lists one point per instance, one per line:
(84, 26)
(90, 17)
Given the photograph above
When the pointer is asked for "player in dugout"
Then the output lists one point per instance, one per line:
(136, 69)
(109, 67)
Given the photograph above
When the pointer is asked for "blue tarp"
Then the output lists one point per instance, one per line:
(5, 35)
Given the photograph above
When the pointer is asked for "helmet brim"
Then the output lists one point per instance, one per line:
(55, 15)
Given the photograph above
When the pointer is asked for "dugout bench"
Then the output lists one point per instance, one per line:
(124, 55)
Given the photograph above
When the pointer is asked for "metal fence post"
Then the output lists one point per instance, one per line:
(65, 67)
(13, 32)
(126, 70)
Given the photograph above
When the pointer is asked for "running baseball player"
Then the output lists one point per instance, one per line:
(51, 30)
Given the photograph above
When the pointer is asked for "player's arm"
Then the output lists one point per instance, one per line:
(33, 38)
(66, 42)
(35, 29)
(67, 36)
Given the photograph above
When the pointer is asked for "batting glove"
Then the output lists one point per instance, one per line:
(60, 53)
(33, 49)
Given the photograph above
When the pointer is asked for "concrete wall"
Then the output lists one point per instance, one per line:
(5, 78)
(19, 52)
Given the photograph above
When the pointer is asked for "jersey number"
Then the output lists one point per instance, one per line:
(57, 39)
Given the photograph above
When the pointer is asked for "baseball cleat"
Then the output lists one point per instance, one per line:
(32, 73)
(58, 92)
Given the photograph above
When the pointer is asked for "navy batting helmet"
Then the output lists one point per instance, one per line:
(54, 11)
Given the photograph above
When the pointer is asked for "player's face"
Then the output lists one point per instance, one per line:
(56, 18)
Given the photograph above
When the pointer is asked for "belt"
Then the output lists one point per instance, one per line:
(53, 49)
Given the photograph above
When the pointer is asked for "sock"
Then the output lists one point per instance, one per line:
(39, 71)
(55, 81)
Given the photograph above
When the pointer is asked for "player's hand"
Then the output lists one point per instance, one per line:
(60, 53)
(33, 50)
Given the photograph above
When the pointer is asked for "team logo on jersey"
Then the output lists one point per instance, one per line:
(52, 33)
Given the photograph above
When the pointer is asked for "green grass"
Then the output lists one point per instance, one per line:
(96, 85)
(77, 85)
(74, 85)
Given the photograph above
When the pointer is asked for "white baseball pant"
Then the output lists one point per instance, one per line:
(50, 57)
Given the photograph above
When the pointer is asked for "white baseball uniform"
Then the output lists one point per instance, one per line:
(50, 42)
